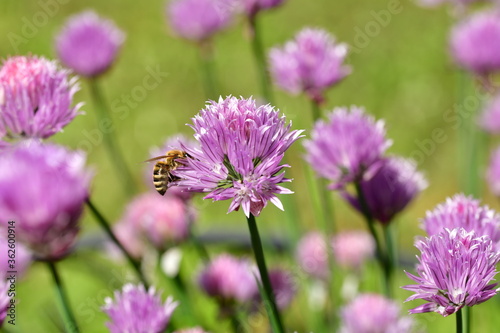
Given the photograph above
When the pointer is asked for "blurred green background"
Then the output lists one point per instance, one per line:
(402, 73)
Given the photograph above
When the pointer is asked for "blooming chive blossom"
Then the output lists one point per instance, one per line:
(47, 205)
(493, 173)
(455, 267)
(199, 19)
(241, 148)
(89, 44)
(311, 63)
(35, 98)
(474, 42)
(136, 310)
(352, 248)
(372, 313)
(490, 118)
(390, 189)
(463, 212)
(229, 279)
(162, 220)
(312, 255)
(346, 146)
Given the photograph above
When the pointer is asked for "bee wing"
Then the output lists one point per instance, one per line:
(156, 158)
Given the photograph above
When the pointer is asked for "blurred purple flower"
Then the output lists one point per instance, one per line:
(4, 300)
(352, 248)
(455, 267)
(463, 212)
(312, 255)
(228, 278)
(390, 189)
(490, 118)
(130, 237)
(493, 173)
(89, 44)
(164, 221)
(346, 146)
(199, 19)
(311, 63)
(22, 257)
(48, 205)
(283, 286)
(474, 42)
(35, 98)
(241, 147)
(137, 310)
(252, 7)
(372, 313)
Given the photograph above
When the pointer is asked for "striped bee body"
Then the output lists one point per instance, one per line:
(162, 171)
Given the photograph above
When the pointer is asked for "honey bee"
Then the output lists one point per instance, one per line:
(162, 175)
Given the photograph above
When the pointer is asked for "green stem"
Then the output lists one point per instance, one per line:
(316, 111)
(105, 225)
(467, 319)
(69, 318)
(324, 194)
(102, 111)
(207, 69)
(235, 323)
(459, 321)
(272, 309)
(260, 60)
(381, 255)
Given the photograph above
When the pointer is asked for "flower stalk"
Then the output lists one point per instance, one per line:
(268, 295)
(106, 227)
(260, 60)
(381, 255)
(112, 147)
(69, 317)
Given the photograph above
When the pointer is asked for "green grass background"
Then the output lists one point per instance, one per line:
(403, 75)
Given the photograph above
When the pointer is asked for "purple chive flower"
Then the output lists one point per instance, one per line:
(490, 118)
(136, 310)
(311, 63)
(346, 146)
(493, 173)
(4, 300)
(352, 248)
(89, 44)
(241, 148)
(373, 313)
(35, 98)
(162, 220)
(228, 279)
(312, 255)
(48, 205)
(198, 20)
(253, 7)
(390, 189)
(455, 267)
(474, 42)
(463, 212)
